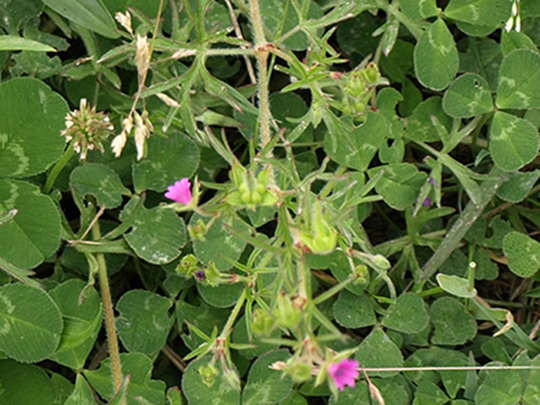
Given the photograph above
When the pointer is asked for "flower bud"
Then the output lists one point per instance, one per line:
(321, 238)
(208, 374)
(371, 74)
(299, 371)
(360, 272)
(262, 323)
(198, 230)
(212, 274)
(287, 314)
(187, 266)
(355, 85)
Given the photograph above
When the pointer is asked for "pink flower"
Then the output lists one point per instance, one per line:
(344, 373)
(180, 192)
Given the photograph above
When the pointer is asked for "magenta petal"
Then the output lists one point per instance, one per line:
(344, 373)
(180, 192)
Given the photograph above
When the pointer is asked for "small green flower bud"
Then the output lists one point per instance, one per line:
(212, 274)
(187, 266)
(246, 197)
(355, 85)
(299, 371)
(208, 374)
(256, 198)
(197, 231)
(262, 323)
(371, 74)
(360, 272)
(287, 314)
(381, 263)
(321, 238)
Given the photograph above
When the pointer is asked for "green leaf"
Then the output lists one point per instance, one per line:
(218, 243)
(144, 322)
(519, 80)
(82, 394)
(377, 350)
(479, 12)
(101, 181)
(221, 296)
(356, 149)
(399, 185)
(31, 118)
(280, 16)
(15, 14)
(353, 311)
(34, 234)
(436, 57)
(469, 95)
(157, 235)
(456, 286)
(513, 40)
(428, 393)
(359, 394)
(408, 315)
(518, 186)
(82, 317)
(483, 57)
(285, 108)
(513, 142)
(523, 254)
(264, 385)
(14, 43)
(503, 387)
(198, 392)
(139, 367)
(30, 323)
(24, 384)
(418, 10)
(90, 14)
(399, 62)
(453, 324)
(169, 160)
(420, 126)
(203, 316)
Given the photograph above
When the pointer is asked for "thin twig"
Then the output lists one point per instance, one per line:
(238, 33)
(174, 358)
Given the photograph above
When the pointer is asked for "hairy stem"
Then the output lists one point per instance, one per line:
(108, 311)
(261, 52)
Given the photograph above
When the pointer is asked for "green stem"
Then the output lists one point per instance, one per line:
(108, 311)
(261, 52)
(332, 291)
(66, 157)
(467, 218)
(232, 317)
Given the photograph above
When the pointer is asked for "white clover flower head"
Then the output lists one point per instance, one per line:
(87, 129)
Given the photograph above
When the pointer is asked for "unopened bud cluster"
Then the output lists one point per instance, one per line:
(358, 87)
(251, 189)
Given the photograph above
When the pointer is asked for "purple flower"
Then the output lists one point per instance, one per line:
(344, 373)
(427, 202)
(180, 192)
(199, 275)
